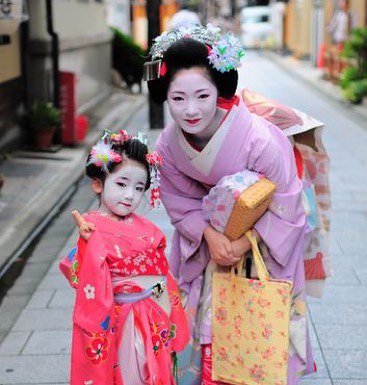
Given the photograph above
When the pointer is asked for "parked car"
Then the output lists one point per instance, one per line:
(255, 26)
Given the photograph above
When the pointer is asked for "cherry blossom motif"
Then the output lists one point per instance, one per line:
(97, 352)
(257, 373)
(89, 291)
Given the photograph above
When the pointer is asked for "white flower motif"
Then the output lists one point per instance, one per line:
(134, 272)
(143, 269)
(89, 291)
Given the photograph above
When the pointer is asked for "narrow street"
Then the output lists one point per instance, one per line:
(37, 347)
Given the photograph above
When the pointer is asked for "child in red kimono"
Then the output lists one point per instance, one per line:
(128, 318)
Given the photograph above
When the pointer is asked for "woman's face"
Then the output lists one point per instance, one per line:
(192, 100)
(124, 188)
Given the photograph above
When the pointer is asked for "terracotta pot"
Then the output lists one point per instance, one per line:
(43, 138)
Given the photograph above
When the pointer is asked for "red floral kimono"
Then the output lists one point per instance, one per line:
(130, 342)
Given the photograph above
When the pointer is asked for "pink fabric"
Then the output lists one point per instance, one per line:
(98, 321)
(254, 144)
(278, 114)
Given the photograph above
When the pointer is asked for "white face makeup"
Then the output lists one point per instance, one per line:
(124, 188)
(192, 100)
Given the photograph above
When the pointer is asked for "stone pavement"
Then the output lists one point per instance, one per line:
(36, 351)
(311, 75)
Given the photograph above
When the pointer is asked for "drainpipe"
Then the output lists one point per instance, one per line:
(55, 64)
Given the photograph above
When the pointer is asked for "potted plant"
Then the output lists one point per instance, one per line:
(353, 79)
(43, 118)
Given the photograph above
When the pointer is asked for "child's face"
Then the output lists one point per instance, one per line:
(124, 188)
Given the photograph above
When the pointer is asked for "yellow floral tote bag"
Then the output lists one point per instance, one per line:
(250, 326)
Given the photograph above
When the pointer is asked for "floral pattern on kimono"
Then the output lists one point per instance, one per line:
(98, 269)
(252, 143)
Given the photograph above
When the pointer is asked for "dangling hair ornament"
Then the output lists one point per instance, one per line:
(225, 51)
(155, 160)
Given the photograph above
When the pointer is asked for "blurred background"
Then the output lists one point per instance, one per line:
(57, 50)
(70, 68)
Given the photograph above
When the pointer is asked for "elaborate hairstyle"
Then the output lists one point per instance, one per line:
(132, 148)
(186, 53)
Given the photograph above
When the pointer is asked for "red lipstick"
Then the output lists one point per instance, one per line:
(192, 121)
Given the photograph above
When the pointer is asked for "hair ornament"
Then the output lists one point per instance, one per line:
(102, 155)
(225, 54)
(120, 137)
(155, 160)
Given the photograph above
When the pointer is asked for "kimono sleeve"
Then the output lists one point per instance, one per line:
(283, 225)
(180, 332)
(182, 197)
(70, 265)
(94, 302)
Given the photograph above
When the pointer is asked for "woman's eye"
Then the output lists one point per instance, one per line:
(203, 96)
(121, 184)
(177, 98)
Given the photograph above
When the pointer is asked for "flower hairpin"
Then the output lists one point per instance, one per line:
(102, 155)
(120, 137)
(155, 160)
(225, 54)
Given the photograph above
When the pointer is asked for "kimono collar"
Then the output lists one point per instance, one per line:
(227, 104)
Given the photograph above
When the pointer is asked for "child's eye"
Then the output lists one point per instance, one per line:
(203, 96)
(177, 98)
(121, 184)
(140, 189)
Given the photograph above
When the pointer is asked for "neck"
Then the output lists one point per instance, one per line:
(202, 138)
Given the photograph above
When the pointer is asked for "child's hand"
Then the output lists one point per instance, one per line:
(85, 228)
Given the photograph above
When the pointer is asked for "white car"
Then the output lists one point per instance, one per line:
(255, 26)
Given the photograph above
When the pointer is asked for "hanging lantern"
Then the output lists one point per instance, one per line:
(12, 13)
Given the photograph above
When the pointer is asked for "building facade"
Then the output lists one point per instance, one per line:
(306, 24)
(26, 65)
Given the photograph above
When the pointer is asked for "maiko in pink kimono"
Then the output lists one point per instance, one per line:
(128, 318)
(214, 134)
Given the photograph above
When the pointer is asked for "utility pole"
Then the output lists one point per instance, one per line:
(156, 116)
(233, 8)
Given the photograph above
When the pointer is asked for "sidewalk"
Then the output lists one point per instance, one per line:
(313, 76)
(38, 183)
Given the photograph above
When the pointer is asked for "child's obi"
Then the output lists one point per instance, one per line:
(237, 202)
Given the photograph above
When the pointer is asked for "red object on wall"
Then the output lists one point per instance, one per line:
(73, 127)
(68, 106)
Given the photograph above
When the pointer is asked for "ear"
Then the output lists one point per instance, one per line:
(97, 186)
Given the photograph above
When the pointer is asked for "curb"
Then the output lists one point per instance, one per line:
(312, 76)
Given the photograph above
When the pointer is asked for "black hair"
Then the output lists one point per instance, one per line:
(187, 53)
(133, 149)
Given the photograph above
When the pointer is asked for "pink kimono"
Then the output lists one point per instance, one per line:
(244, 141)
(123, 342)
(313, 169)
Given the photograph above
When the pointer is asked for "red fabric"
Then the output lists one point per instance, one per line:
(227, 104)
(206, 361)
(98, 321)
(163, 69)
(299, 162)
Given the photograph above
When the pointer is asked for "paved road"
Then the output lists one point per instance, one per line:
(37, 348)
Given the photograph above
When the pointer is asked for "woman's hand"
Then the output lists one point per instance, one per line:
(220, 247)
(85, 228)
(241, 246)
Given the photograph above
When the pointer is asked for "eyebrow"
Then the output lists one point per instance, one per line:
(198, 91)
